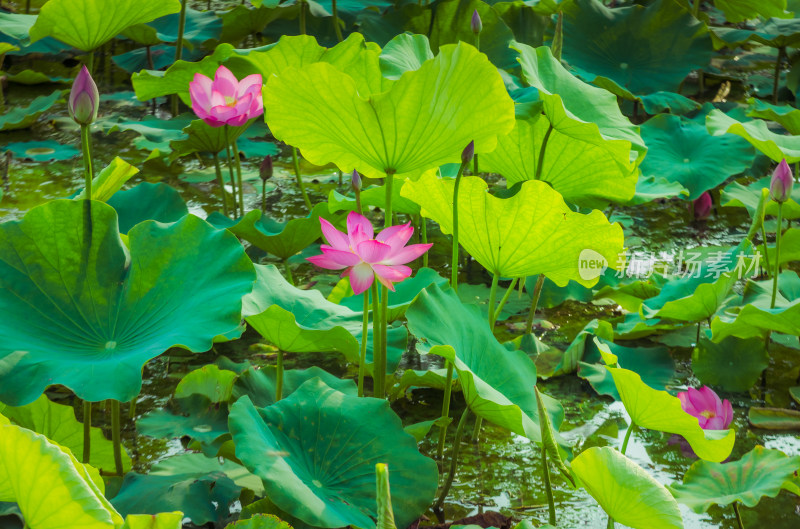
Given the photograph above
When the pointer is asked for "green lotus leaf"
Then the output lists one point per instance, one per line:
(738, 195)
(63, 496)
(774, 418)
(641, 49)
(667, 102)
(202, 497)
(533, 232)
(374, 196)
(655, 187)
(741, 10)
(42, 151)
(158, 133)
(193, 463)
(626, 491)
(496, 383)
(732, 364)
(209, 381)
(23, 117)
(199, 27)
(57, 422)
(776, 146)
(146, 201)
(242, 20)
(553, 295)
(196, 417)
(405, 292)
(204, 138)
(100, 20)
(320, 110)
(259, 384)
(787, 116)
(658, 410)
(790, 247)
(773, 32)
(162, 520)
(683, 151)
(110, 180)
(260, 521)
(303, 321)
(760, 472)
(87, 311)
(404, 53)
(281, 239)
(581, 102)
(573, 355)
(318, 483)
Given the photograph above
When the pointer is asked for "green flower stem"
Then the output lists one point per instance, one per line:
(89, 61)
(631, 428)
(87, 431)
(279, 376)
(380, 361)
(388, 184)
(492, 297)
(230, 170)
(764, 239)
(336, 27)
(423, 224)
(504, 299)
(302, 17)
(738, 515)
(540, 161)
(476, 430)
(696, 8)
(454, 261)
(221, 184)
(116, 434)
(296, 162)
(179, 53)
(451, 474)
(448, 390)
(775, 82)
(376, 334)
(263, 195)
(132, 407)
(537, 292)
(289, 275)
(475, 165)
(238, 176)
(362, 363)
(548, 487)
(88, 172)
(777, 255)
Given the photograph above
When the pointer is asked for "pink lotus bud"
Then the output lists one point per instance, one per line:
(476, 23)
(468, 152)
(780, 188)
(355, 181)
(265, 170)
(84, 99)
(702, 206)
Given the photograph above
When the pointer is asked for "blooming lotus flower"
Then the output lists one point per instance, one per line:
(703, 403)
(702, 206)
(780, 187)
(84, 99)
(225, 100)
(366, 257)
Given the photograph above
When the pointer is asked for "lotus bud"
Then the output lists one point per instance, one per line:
(84, 99)
(265, 170)
(702, 206)
(476, 23)
(355, 181)
(780, 188)
(468, 153)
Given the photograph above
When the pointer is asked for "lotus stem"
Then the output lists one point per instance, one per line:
(631, 428)
(476, 430)
(475, 165)
(504, 299)
(738, 515)
(302, 17)
(230, 171)
(362, 364)
(454, 263)
(116, 434)
(697, 339)
(540, 161)
(383, 497)
(696, 8)
(221, 184)
(380, 361)
(388, 184)
(775, 82)
(453, 461)
(376, 336)
(764, 239)
(492, 297)
(87, 431)
(279, 376)
(298, 177)
(548, 487)
(178, 54)
(778, 231)
(448, 390)
(423, 230)
(289, 275)
(88, 172)
(263, 195)
(537, 291)
(89, 61)
(238, 175)
(132, 407)
(27, 6)
(336, 28)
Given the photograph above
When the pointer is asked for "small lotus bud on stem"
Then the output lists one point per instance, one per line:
(702, 206)
(265, 171)
(780, 187)
(476, 23)
(84, 99)
(355, 182)
(468, 153)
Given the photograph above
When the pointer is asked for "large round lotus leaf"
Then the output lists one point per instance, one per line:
(787, 116)
(642, 49)
(732, 364)
(626, 491)
(655, 187)
(774, 418)
(303, 321)
(52, 489)
(57, 422)
(42, 151)
(259, 384)
(202, 497)
(497, 383)
(84, 310)
(199, 27)
(404, 53)
(210, 381)
(423, 120)
(404, 293)
(684, 152)
(281, 239)
(776, 146)
(202, 137)
(667, 102)
(774, 32)
(318, 480)
(154, 130)
(658, 410)
(195, 417)
(99, 20)
(23, 117)
(533, 232)
(146, 201)
(194, 463)
(760, 472)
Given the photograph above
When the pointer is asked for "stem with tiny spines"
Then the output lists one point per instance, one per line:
(448, 389)
(537, 291)
(299, 178)
(87, 431)
(504, 299)
(88, 172)
(454, 263)
(362, 364)
(738, 515)
(540, 161)
(453, 460)
(631, 428)
(336, 27)
(279, 376)
(492, 297)
(116, 436)
(230, 170)
(238, 176)
(778, 231)
(289, 275)
(221, 184)
(376, 336)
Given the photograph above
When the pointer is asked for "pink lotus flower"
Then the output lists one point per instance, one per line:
(703, 403)
(780, 186)
(364, 256)
(226, 101)
(702, 206)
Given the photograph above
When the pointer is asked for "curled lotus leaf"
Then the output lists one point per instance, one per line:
(86, 310)
(776, 146)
